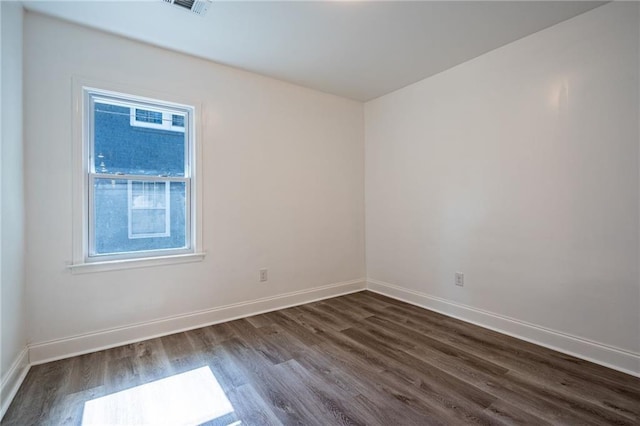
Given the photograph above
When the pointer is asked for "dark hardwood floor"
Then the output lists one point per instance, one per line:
(356, 359)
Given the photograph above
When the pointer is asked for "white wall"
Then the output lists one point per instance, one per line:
(12, 318)
(283, 185)
(520, 169)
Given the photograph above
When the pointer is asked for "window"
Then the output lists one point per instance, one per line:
(149, 209)
(139, 155)
(157, 119)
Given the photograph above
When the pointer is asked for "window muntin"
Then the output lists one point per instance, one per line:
(139, 178)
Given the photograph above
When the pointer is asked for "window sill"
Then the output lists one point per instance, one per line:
(112, 265)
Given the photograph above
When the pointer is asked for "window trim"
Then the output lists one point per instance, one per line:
(81, 262)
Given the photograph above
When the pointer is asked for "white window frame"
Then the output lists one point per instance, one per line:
(82, 260)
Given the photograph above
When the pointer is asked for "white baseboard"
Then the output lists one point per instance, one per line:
(42, 352)
(12, 380)
(608, 356)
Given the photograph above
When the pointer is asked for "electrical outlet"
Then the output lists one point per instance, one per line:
(460, 279)
(263, 275)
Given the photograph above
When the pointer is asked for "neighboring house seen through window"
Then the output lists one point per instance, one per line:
(149, 209)
(139, 177)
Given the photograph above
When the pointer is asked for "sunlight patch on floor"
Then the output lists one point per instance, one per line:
(189, 398)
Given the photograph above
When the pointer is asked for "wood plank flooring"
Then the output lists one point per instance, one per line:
(356, 359)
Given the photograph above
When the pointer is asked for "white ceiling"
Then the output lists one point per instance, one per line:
(356, 49)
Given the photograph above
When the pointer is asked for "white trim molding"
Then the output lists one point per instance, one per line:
(12, 380)
(616, 358)
(140, 262)
(52, 350)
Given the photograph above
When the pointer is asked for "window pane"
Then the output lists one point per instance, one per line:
(177, 120)
(132, 216)
(147, 222)
(148, 116)
(149, 209)
(148, 195)
(120, 147)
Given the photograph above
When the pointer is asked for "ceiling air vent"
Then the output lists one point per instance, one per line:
(199, 7)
